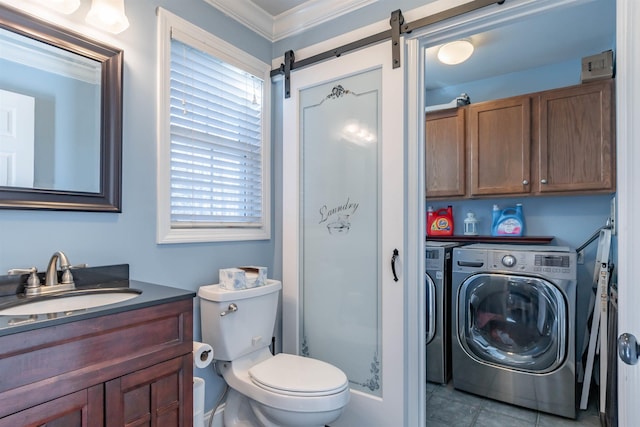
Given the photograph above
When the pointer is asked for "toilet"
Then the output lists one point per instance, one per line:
(284, 390)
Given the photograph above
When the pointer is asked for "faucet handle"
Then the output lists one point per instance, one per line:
(33, 281)
(67, 277)
(83, 265)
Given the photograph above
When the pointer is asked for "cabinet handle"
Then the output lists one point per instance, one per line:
(543, 181)
(525, 182)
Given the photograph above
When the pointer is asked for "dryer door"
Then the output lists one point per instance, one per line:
(431, 308)
(513, 321)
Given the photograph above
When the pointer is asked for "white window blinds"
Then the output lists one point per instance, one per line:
(216, 147)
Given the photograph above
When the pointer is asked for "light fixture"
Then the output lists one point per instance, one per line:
(108, 15)
(455, 52)
(63, 6)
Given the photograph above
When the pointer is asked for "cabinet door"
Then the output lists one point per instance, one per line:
(445, 153)
(83, 408)
(576, 146)
(157, 396)
(500, 146)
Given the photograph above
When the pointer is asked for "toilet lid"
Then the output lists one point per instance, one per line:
(290, 374)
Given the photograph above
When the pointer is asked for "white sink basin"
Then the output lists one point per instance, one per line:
(70, 301)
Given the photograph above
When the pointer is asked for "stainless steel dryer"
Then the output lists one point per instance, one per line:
(513, 333)
(438, 282)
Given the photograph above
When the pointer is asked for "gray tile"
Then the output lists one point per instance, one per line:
(513, 411)
(493, 419)
(452, 412)
(431, 387)
(450, 393)
(433, 422)
(547, 420)
(448, 407)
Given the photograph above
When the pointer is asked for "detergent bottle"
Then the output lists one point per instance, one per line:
(508, 221)
(440, 222)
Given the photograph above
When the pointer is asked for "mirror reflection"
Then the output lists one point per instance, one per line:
(50, 116)
(60, 117)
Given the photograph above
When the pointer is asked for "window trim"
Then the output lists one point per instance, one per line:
(201, 39)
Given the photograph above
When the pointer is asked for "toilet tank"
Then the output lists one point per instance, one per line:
(233, 334)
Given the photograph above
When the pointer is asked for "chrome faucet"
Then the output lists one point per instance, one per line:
(51, 277)
(51, 283)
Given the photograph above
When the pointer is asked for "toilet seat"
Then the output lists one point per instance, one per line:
(293, 375)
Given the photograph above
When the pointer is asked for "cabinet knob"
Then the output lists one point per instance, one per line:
(525, 182)
(543, 181)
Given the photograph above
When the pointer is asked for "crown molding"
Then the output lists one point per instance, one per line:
(294, 21)
(313, 13)
(248, 14)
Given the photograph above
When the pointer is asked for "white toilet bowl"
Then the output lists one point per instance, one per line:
(283, 391)
(265, 390)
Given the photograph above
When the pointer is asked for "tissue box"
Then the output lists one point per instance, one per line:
(242, 277)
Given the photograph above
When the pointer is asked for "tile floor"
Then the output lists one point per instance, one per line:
(447, 407)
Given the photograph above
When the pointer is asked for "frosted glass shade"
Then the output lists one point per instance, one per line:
(455, 52)
(108, 15)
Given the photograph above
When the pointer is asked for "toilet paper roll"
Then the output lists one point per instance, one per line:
(202, 354)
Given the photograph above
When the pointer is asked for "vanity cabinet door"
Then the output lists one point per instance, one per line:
(577, 141)
(83, 408)
(500, 147)
(154, 396)
(445, 153)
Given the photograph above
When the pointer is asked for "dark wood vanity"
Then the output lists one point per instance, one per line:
(126, 364)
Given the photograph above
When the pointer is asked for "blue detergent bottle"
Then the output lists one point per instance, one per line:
(508, 221)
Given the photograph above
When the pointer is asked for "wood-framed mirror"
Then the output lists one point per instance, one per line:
(60, 118)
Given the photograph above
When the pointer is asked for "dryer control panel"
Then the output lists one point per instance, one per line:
(558, 262)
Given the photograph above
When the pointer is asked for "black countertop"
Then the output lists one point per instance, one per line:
(99, 277)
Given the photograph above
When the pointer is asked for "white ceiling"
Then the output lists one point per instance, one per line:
(276, 7)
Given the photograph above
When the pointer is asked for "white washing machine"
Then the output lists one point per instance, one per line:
(438, 283)
(513, 332)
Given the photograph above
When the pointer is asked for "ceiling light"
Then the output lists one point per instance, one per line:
(62, 6)
(108, 15)
(455, 52)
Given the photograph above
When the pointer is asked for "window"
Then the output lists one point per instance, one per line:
(213, 151)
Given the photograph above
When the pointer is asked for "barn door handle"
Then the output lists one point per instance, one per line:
(393, 264)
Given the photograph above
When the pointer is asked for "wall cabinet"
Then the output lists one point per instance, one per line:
(500, 146)
(576, 141)
(445, 153)
(129, 368)
(556, 141)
